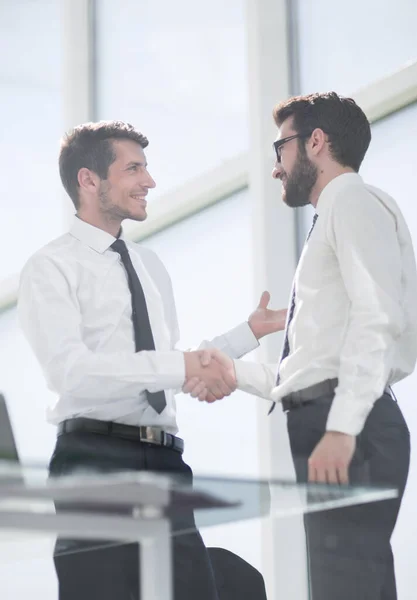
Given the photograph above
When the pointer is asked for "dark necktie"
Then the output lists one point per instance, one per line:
(141, 325)
(286, 347)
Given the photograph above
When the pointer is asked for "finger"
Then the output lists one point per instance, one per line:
(332, 475)
(189, 385)
(321, 475)
(210, 398)
(225, 389)
(264, 301)
(205, 358)
(343, 475)
(198, 389)
(311, 472)
(216, 391)
(203, 395)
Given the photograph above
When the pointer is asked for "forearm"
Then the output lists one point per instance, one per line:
(235, 343)
(363, 374)
(85, 375)
(255, 378)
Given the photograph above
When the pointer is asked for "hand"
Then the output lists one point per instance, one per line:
(199, 388)
(209, 379)
(264, 321)
(330, 460)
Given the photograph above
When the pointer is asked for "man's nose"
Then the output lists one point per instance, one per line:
(150, 182)
(277, 170)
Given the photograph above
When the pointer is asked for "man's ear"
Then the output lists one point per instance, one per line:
(88, 180)
(317, 141)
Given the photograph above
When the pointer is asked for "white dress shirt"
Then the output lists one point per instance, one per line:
(75, 310)
(356, 306)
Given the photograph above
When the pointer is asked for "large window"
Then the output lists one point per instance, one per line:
(31, 105)
(391, 158)
(177, 71)
(345, 46)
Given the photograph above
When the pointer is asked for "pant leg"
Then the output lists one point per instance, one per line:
(109, 571)
(89, 569)
(349, 549)
(193, 573)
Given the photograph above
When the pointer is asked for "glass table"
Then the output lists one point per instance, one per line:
(127, 507)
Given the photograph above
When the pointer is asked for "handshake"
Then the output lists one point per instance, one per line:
(209, 375)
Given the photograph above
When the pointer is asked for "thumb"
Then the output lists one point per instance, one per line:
(205, 358)
(264, 301)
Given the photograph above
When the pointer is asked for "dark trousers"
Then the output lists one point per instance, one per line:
(105, 571)
(349, 549)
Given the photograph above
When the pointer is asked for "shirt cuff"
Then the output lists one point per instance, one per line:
(254, 378)
(169, 369)
(241, 340)
(347, 415)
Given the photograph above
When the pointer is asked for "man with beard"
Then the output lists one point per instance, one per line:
(99, 313)
(351, 333)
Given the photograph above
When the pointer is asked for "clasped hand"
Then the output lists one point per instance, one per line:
(210, 375)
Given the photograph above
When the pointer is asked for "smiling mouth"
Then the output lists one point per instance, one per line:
(139, 198)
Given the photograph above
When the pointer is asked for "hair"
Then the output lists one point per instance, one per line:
(90, 146)
(340, 118)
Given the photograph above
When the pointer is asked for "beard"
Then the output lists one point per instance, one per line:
(113, 211)
(297, 189)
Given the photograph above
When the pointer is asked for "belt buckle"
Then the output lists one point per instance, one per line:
(152, 435)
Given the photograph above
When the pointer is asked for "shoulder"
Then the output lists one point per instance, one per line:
(358, 203)
(54, 254)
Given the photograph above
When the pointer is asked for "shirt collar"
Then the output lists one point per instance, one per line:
(97, 239)
(335, 186)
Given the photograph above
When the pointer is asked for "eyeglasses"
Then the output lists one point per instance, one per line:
(278, 144)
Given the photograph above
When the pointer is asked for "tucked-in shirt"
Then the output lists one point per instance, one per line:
(355, 315)
(75, 309)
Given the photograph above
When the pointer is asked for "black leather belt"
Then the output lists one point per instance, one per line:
(148, 435)
(318, 392)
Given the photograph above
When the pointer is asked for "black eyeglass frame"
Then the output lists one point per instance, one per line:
(279, 143)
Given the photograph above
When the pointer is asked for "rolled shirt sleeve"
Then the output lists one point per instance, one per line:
(256, 378)
(362, 233)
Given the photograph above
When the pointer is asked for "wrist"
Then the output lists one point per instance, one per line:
(338, 434)
(258, 334)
